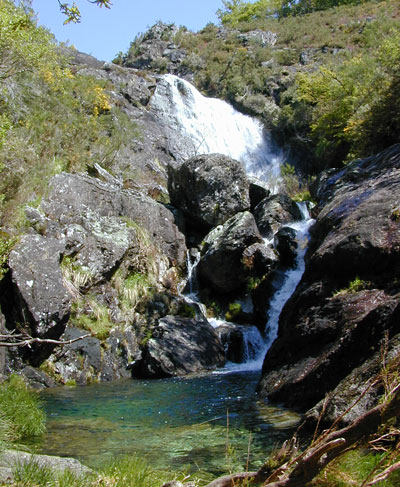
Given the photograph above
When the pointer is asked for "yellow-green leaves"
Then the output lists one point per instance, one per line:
(23, 46)
(73, 13)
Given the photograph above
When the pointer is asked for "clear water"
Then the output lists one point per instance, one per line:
(178, 424)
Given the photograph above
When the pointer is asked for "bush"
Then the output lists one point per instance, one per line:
(21, 415)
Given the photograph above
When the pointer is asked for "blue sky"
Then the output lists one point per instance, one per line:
(103, 33)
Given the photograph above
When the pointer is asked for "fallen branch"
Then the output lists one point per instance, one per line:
(27, 341)
(297, 472)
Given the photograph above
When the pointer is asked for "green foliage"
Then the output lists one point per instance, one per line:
(234, 310)
(72, 12)
(92, 316)
(21, 415)
(132, 471)
(33, 474)
(237, 11)
(354, 286)
(51, 119)
(6, 244)
(355, 110)
(353, 468)
(23, 46)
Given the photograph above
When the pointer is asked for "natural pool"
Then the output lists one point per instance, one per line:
(176, 424)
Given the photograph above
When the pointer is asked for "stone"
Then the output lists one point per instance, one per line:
(222, 265)
(180, 346)
(105, 211)
(10, 459)
(209, 189)
(258, 190)
(286, 245)
(349, 296)
(40, 298)
(273, 212)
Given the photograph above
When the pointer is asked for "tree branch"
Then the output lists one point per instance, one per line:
(28, 341)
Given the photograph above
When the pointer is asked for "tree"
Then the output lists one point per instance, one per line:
(73, 13)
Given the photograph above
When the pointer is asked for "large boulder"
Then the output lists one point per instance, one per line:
(98, 206)
(180, 346)
(209, 189)
(40, 299)
(273, 212)
(349, 298)
(222, 265)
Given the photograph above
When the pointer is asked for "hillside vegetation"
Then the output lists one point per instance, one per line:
(326, 84)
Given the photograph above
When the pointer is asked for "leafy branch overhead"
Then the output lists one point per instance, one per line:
(73, 13)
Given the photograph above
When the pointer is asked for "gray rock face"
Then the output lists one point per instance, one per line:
(222, 265)
(82, 202)
(156, 50)
(180, 346)
(41, 298)
(349, 297)
(85, 361)
(273, 212)
(209, 188)
(258, 36)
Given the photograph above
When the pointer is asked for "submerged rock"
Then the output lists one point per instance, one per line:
(209, 189)
(348, 299)
(180, 346)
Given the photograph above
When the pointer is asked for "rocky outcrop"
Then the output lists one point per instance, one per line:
(349, 298)
(157, 50)
(102, 250)
(222, 265)
(180, 346)
(273, 212)
(109, 214)
(209, 189)
(90, 360)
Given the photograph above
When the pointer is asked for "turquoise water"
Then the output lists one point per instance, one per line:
(185, 423)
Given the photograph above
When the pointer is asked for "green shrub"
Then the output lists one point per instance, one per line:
(21, 415)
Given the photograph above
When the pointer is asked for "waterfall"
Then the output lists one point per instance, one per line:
(201, 125)
(259, 345)
(210, 126)
(292, 276)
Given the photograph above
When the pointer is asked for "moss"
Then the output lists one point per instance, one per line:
(234, 310)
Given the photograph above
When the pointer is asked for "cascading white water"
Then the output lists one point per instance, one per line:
(292, 276)
(213, 126)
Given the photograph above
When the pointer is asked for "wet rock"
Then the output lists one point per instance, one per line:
(286, 245)
(238, 348)
(209, 189)
(258, 190)
(260, 259)
(349, 296)
(222, 266)
(273, 212)
(180, 346)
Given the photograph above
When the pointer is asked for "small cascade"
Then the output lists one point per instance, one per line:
(188, 288)
(213, 126)
(292, 276)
